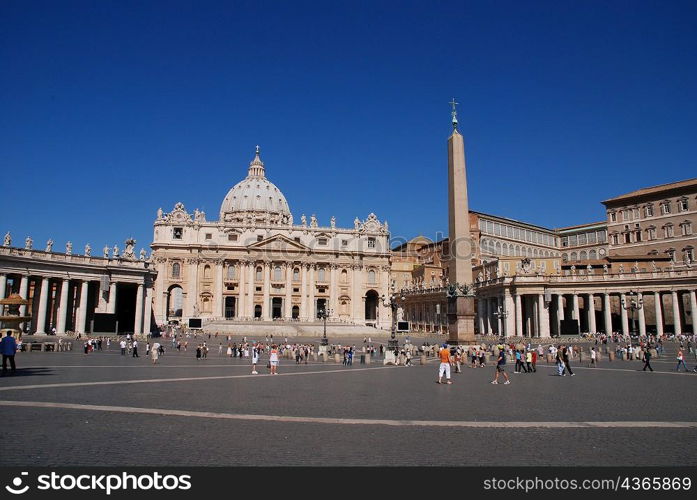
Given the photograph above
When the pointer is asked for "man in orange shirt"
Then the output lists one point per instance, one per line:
(444, 355)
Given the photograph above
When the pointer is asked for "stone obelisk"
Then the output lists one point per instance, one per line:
(460, 297)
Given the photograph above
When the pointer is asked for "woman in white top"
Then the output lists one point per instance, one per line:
(273, 360)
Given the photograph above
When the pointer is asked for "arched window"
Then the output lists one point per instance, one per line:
(564, 257)
(574, 256)
(371, 277)
(259, 274)
(231, 272)
(321, 274)
(497, 248)
(176, 270)
(207, 272)
(277, 273)
(592, 255)
(583, 255)
(296, 274)
(344, 276)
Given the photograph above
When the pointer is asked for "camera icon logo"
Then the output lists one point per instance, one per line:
(17, 483)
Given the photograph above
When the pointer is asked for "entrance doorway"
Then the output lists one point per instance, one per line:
(295, 312)
(321, 306)
(257, 311)
(229, 307)
(276, 307)
(371, 305)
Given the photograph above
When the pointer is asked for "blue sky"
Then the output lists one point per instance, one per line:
(113, 109)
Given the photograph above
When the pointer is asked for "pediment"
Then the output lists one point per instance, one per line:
(277, 242)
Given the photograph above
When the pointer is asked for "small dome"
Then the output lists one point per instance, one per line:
(255, 194)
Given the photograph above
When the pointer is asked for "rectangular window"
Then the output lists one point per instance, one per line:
(209, 236)
(668, 231)
(296, 290)
(665, 208)
(648, 211)
(565, 241)
(344, 243)
(371, 242)
(232, 237)
(178, 233)
(615, 239)
(260, 237)
(686, 228)
(573, 240)
(627, 238)
(582, 239)
(592, 238)
(635, 212)
(613, 217)
(322, 242)
(602, 237)
(297, 239)
(682, 205)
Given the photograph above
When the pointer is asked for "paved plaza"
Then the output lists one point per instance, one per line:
(68, 408)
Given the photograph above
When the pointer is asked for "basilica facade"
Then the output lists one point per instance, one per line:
(257, 263)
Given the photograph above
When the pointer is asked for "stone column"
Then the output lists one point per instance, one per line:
(499, 319)
(486, 315)
(266, 305)
(591, 313)
(358, 315)
(218, 301)
(510, 319)
(288, 301)
(560, 312)
(159, 291)
(303, 292)
(3, 287)
(251, 289)
(82, 310)
(480, 316)
(642, 318)
(111, 305)
(575, 314)
(23, 292)
(241, 270)
(676, 312)
(518, 315)
(543, 317)
(623, 312)
(607, 312)
(693, 310)
(658, 306)
(43, 303)
(192, 291)
(138, 325)
(147, 311)
(333, 303)
(311, 307)
(63, 307)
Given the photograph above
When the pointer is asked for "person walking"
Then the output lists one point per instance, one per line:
(273, 360)
(594, 360)
(135, 349)
(444, 368)
(528, 361)
(8, 348)
(565, 357)
(501, 367)
(647, 359)
(255, 359)
(122, 344)
(681, 361)
(155, 352)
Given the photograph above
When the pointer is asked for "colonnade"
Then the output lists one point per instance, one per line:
(540, 313)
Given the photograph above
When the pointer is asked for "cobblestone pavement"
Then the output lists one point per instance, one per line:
(106, 409)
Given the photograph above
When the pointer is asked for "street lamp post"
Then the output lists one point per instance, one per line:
(502, 314)
(633, 303)
(393, 343)
(323, 314)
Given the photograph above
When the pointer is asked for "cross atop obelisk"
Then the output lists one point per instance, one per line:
(454, 113)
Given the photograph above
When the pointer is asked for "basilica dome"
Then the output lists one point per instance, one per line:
(255, 197)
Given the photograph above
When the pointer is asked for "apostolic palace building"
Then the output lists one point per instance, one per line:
(633, 271)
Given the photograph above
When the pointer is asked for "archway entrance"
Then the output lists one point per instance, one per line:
(175, 302)
(229, 307)
(295, 312)
(276, 307)
(257, 311)
(371, 305)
